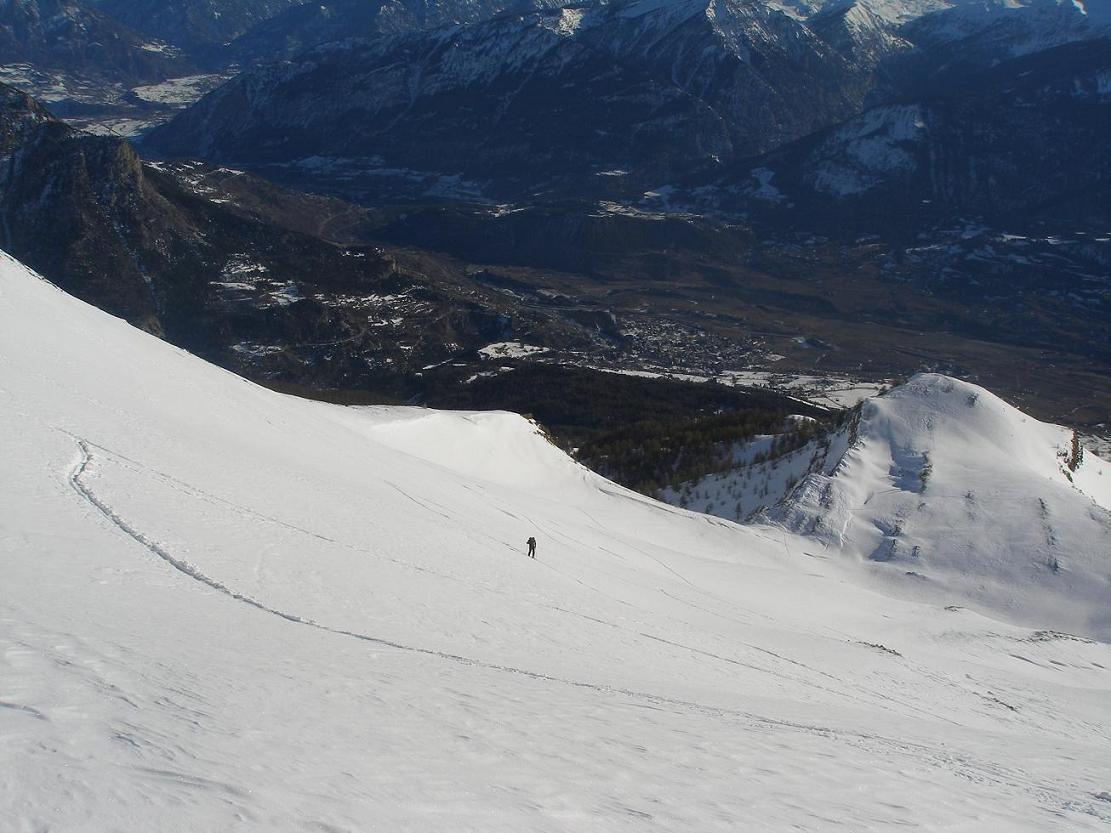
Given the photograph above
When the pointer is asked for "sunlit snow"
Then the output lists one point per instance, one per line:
(226, 609)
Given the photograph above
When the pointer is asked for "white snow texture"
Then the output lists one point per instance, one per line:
(223, 609)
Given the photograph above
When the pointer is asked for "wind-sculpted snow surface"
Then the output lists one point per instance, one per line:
(225, 609)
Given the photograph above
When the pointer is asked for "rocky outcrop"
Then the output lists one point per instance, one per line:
(79, 209)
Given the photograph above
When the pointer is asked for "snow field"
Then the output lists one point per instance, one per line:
(222, 608)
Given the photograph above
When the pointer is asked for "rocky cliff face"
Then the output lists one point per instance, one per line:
(79, 209)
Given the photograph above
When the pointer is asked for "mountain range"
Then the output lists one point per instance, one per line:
(68, 35)
(673, 89)
(196, 26)
(836, 114)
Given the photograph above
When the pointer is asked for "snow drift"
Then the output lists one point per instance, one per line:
(226, 609)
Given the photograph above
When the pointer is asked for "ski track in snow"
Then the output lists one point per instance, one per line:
(192, 491)
(85, 459)
(191, 571)
(960, 765)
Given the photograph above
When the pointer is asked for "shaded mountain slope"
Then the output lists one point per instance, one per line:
(199, 26)
(523, 99)
(77, 37)
(970, 153)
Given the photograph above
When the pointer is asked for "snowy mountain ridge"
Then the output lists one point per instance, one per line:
(952, 484)
(942, 481)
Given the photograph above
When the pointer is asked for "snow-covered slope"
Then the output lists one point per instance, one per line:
(224, 609)
(950, 483)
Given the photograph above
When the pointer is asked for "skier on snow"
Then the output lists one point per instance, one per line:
(531, 547)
